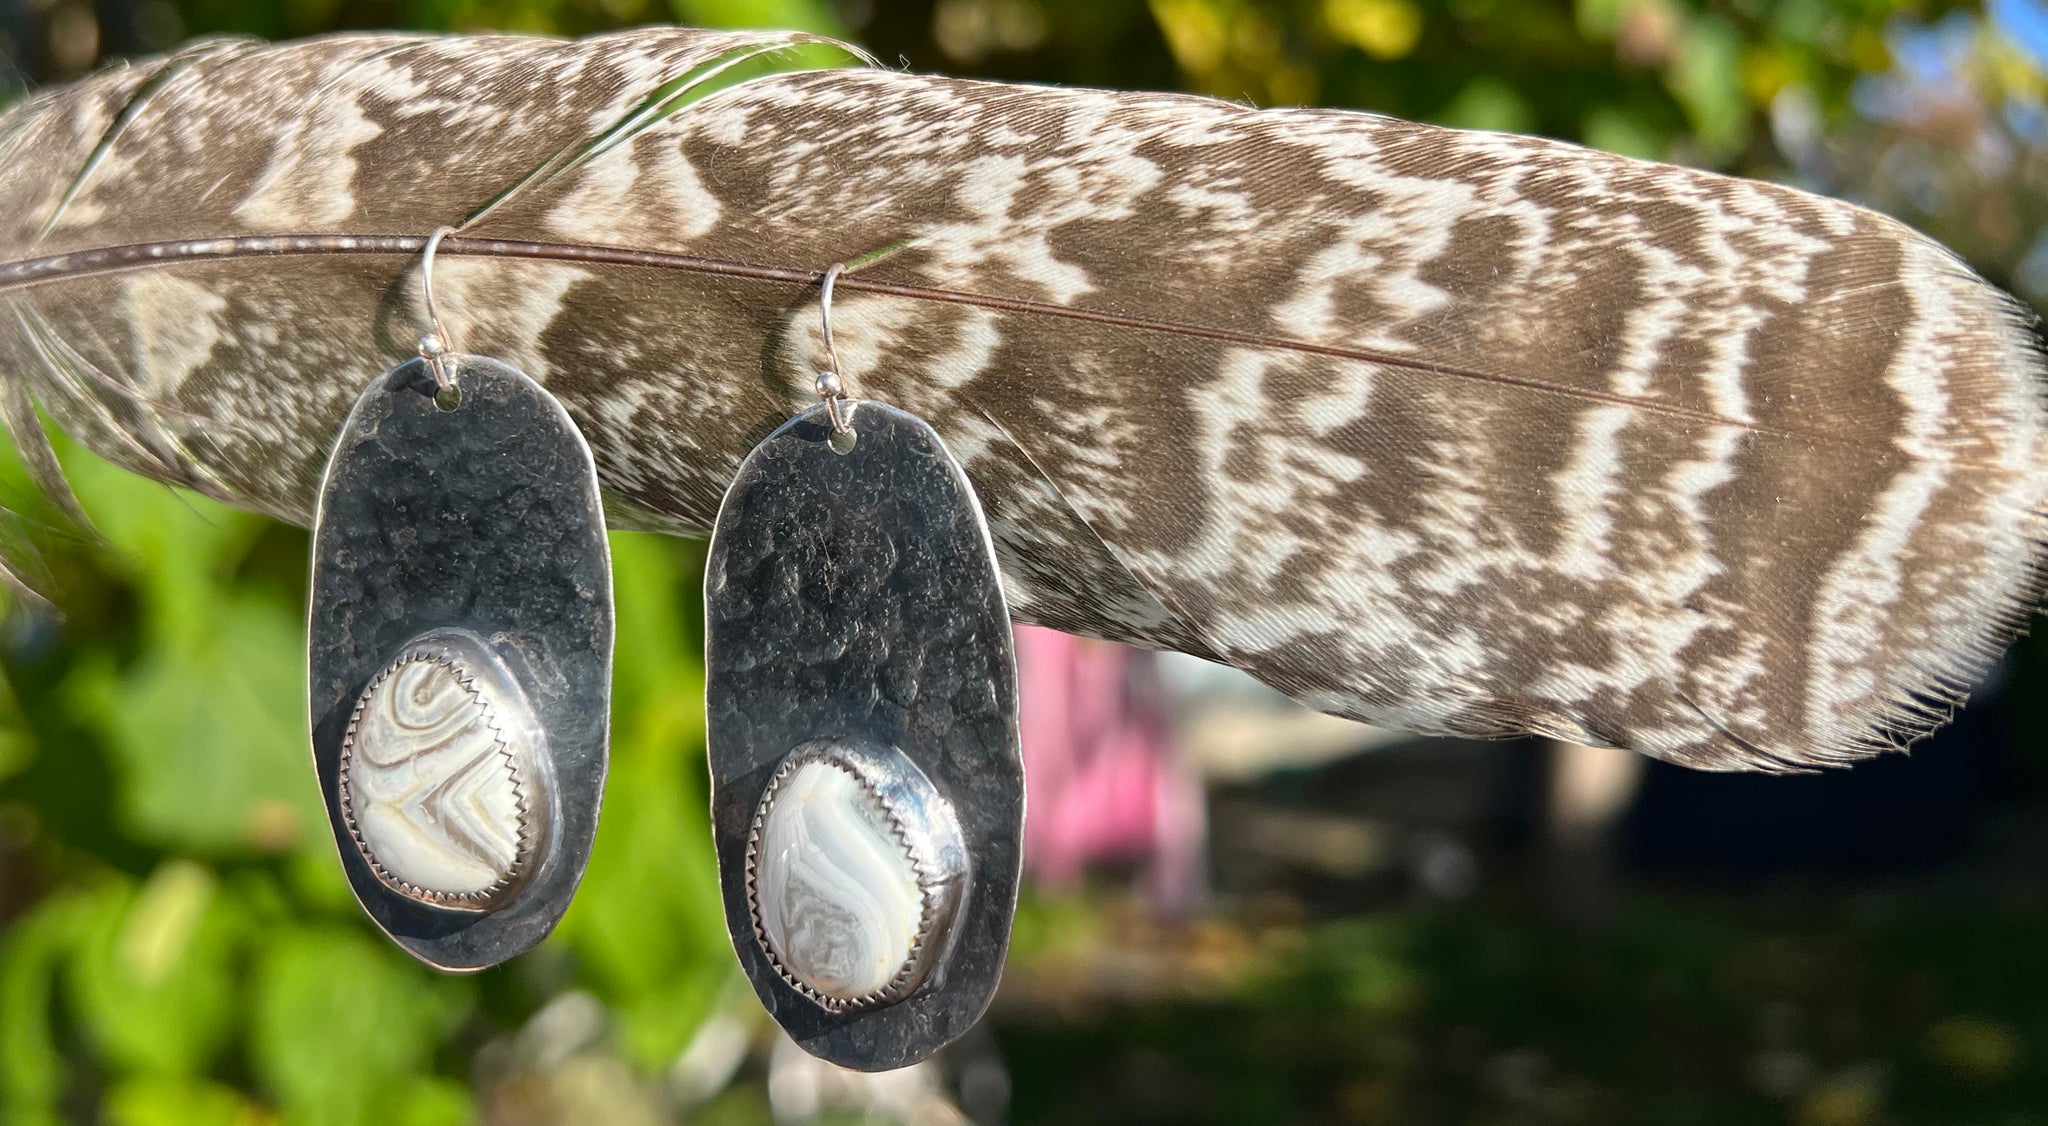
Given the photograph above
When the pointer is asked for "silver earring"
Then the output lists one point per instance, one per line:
(459, 643)
(867, 785)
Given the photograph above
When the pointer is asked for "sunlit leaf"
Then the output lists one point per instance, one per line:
(32, 1071)
(1621, 131)
(177, 547)
(1707, 79)
(16, 749)
(428, 1101)
(341, 1023)
(648, 921)
(1488, 103)
(210, 732)
(789, 15)
(163, 1100)
(154, 981)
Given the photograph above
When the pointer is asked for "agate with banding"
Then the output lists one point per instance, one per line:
(443, 775)
(851, 895)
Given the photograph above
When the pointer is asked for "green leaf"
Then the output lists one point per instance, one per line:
(790, 15)
(1622, 131)
(648, 922)
(1488, 103)
(316, 880)
(1599, 19)
(656, 1024)
(162, 1100)
(1706, 78)
(209, 732)
(429, 1101)
(153, 984)
(32, 1071)
(177, 547)
(342, 1024)
(17, 749)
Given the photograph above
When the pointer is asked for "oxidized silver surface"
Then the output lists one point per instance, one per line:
(472, 536)
(852, 602)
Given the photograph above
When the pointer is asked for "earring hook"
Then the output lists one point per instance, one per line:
(437, 343)
(831, 388)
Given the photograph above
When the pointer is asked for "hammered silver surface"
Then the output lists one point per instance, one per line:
(854, 597)
(484, 519)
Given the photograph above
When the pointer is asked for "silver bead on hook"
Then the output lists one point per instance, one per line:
(436, 345)
(831, 388)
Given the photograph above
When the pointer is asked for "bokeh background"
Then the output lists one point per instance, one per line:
(1240, 912)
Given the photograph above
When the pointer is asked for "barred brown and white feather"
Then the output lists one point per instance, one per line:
(1451, 431)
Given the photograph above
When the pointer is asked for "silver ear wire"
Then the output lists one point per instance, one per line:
(831, 388)
(436, 344)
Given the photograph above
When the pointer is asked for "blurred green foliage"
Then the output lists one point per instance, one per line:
(179, 947)
(191, 938)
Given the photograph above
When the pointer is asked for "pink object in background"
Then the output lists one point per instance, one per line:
(1102, 781)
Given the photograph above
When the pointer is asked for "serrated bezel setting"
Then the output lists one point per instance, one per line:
(519, 751)
(921, 822)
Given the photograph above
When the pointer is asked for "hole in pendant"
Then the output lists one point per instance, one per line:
(448, 398)
(843, 441)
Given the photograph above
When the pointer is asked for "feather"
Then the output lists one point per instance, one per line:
(1449, 431)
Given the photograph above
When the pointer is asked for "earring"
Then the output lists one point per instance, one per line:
(867, 781)
(459, 645)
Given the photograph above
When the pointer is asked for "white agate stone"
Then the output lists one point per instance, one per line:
(836, 893)
(439, 777)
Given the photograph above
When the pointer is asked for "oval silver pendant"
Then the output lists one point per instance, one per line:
(862, 731)
(459, 640)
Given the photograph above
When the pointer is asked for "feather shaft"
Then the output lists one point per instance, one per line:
(1450, 431)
